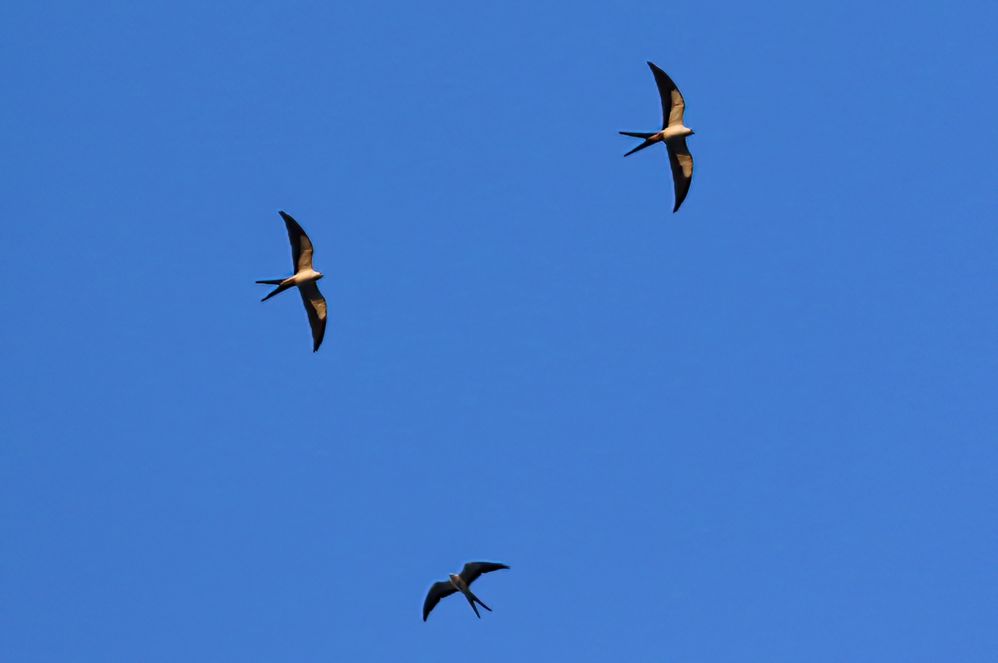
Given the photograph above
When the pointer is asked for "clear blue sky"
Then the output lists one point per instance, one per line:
(762, 429)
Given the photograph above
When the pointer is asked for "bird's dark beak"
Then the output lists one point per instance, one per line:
(693, 133)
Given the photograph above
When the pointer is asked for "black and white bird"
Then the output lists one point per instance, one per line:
(460, 583)
(673, 134)
(305, 278)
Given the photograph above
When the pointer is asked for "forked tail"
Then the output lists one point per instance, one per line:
(276, 291)
(481, 603)
(471, 601)
(635, 134)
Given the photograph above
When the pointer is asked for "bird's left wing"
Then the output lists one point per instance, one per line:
(438, 590)
(472, 570)
(681, 162)
(315, 306)
(301, 245)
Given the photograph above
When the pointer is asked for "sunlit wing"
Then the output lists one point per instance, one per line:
(681, 162)
(301, 245)
(673, 104)
(315, 306)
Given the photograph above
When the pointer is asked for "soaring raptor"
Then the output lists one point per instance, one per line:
(305, 278)
(460, 583)
(673, 134)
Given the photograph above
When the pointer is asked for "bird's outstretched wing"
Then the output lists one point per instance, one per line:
(472, 570)
(681, 162)
(301, 245)
(315, 306)
(438, 590)
(673, 104)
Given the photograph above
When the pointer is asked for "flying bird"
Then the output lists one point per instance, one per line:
(460, 583)
(305, 278)
(673, 134)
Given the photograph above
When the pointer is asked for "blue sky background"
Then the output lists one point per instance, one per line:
(762, 429)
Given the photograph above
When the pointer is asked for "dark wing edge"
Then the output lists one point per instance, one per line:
(300, 243)
(315, 307)
(438, 590)
(681, 162)
(670, 94)
(473, 570)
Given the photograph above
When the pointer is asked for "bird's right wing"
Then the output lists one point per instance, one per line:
(301, 245)
(437, 591)
(315, 306)
(473, 570)
(673, 104)
(681, 162)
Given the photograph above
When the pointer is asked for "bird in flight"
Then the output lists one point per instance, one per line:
(460, 583)
(673, 134)
(305, 278)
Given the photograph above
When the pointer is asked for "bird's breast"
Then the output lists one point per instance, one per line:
(306, 276)
(676, 132)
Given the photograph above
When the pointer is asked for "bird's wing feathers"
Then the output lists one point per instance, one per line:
(301, 245)
(315, 306)
(472, 570)
(673, 104)
(438, 590)
(681, 162)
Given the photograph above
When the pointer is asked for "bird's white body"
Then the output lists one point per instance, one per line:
(302, 277)
(674, 131)
(670, 133)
